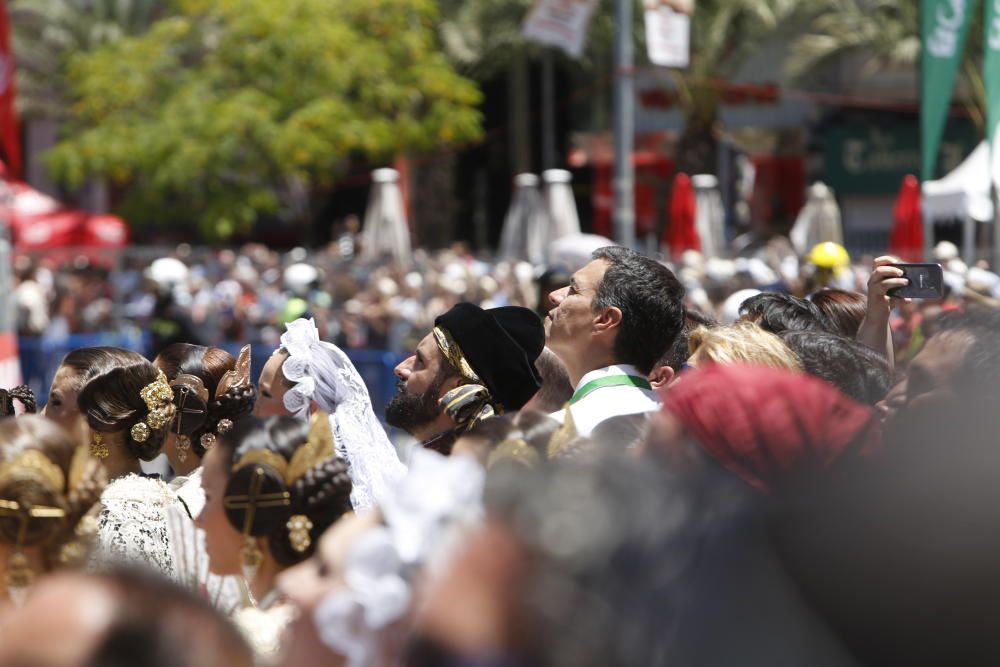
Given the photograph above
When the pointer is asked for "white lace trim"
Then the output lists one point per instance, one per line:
(324, 374)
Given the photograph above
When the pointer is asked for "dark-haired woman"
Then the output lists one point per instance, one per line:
(128, 408)
(211, 389)
(271, 488)
(46, 490)
(76, 369)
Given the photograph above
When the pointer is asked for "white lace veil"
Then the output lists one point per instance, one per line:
(321, 372)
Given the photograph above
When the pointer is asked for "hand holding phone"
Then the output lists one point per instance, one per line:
(926, 281)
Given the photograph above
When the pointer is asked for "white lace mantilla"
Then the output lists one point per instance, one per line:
(133, 526)
(323, 373)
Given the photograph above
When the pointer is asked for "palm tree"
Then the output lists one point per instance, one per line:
(886, 35)
(48, 32)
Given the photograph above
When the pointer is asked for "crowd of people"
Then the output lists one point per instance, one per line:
(649, 465)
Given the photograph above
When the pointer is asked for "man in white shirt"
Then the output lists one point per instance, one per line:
(609, 327)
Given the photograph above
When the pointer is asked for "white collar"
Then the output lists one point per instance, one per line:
(614, 369)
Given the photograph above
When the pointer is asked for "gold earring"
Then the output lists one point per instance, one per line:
(183, 447)
(98, 449)
(19, 578)
(251, 558)
(298, 532)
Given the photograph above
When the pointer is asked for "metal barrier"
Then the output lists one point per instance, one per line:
(40, 357)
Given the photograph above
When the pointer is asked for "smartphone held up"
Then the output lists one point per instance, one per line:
(926, 281)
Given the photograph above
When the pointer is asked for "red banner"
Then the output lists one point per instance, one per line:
(10, 132)
(10, 367)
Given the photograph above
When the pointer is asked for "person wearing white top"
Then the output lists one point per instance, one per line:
(609, 326)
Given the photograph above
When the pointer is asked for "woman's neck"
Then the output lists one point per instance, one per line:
(119, 461)
(185, 468)
(265, 581)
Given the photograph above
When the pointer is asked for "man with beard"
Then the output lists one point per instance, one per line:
(473, 365)
(610, 326)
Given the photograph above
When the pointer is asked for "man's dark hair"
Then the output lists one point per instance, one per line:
(853, 368)
(777, 312)
(979, 371)
(679, 352)
(651, 300)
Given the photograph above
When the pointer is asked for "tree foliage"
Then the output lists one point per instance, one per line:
(47, 32)
(884, 35)
(229, 109)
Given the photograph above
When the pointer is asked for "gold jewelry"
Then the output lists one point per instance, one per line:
(563, 438)
(514, 449)
(299, 526)
(140, 432)
(225, 425)
(32, 464)
(250, 559)
(183, 447)
(157, 393)
(317, 448)
(98, 449)
(207, 441)
(19, 575)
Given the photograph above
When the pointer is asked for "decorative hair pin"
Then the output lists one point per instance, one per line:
(319, 447)
(31, 465)
(156, 395)
(191, 400)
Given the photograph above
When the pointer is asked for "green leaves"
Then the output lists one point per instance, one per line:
(226, 110)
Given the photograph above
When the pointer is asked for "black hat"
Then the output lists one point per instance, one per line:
(498, 345)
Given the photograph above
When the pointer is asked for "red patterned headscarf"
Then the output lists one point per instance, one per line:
(770, 426)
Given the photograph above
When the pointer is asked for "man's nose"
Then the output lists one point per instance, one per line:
(556, 297)
(404, 368)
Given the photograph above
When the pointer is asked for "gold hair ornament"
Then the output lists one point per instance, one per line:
(32, 464)
(298, 527)
(156, 395)
(318, 448)
(19, 573)
(564, 436)
(514, 449)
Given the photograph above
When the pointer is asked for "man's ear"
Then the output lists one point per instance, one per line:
(450, 384)
(661, 376)
(609, 319)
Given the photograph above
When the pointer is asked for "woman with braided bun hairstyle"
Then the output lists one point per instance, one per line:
(76, 369)
(271, 488)
(128, 408)
(201, 413)
(48, 487)
(22, 395)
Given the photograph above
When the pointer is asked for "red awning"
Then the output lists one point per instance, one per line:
(39, 222)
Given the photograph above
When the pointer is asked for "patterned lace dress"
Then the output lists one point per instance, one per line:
(133, 526)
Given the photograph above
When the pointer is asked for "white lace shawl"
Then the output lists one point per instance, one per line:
(133, 526)
(324, 374)
(188, 546)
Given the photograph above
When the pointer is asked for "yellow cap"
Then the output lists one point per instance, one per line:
(829, 256)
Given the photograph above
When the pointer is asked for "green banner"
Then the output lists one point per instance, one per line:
(944, 27)
(991, 67)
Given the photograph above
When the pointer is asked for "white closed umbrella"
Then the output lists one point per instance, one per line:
(386, 232)
(560, 204)
(818, 221)
(710, 215)
(525, 229)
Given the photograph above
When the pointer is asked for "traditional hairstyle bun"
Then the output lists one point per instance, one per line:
(22, 394)
(78, 489)
(112, 403)
(322, 493)
(209, 365)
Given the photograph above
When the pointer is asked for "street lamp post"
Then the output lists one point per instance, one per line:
(624, 179)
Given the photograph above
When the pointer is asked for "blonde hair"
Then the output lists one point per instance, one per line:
(742, 343)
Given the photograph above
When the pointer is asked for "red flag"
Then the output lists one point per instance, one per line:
(681, 234)
(907, 239)
(10, 132)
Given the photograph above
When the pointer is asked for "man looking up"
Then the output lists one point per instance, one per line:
(474, 364)
(609, 327)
